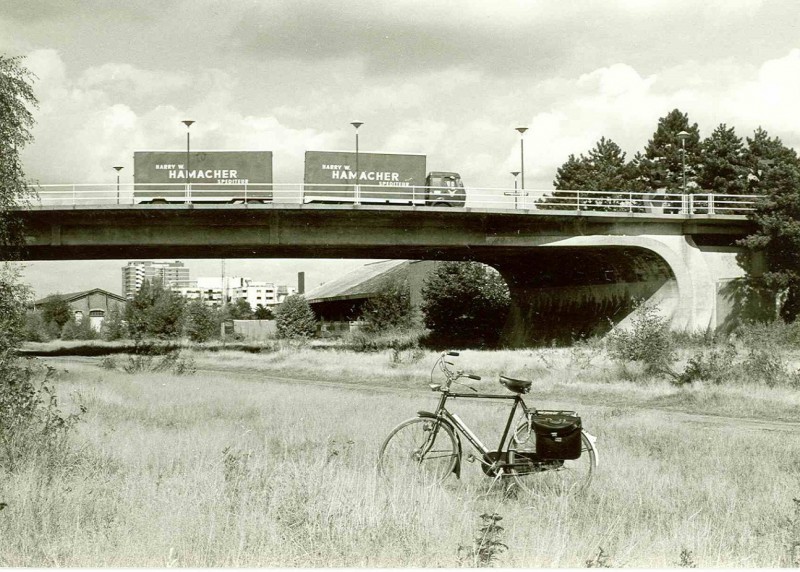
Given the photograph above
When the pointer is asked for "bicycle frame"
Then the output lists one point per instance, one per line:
(463, 428)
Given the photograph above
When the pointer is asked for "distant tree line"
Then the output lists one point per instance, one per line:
(155, 312)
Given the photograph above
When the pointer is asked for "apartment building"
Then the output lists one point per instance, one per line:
(210, 290)
(172, 274)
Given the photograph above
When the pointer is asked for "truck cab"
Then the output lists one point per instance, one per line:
(444, 189)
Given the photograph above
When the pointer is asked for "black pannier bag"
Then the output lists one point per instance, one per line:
(558, 434)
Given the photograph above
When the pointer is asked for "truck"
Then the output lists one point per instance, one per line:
(207, 176)
(378, 178)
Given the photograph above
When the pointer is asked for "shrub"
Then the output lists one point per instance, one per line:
(766, 366)
(114, 326)
(649, 340)
(295, 318)
(389, 310)
(465, 303)
(35, 328)
(201, 321)
(397, 340)
(152, 357)
(75, 330)
(715, 365)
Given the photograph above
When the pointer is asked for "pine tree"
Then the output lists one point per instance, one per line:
(604, 169)
(723, 170)
(762, 154)
(660, 168)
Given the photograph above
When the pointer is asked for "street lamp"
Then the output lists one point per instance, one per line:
(516, 193)
(188, 124)
(356, 189)
(117, 169)
(683, 135)
(522, 131)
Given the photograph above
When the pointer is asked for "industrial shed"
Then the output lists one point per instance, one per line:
(341, 300)
(92, 304)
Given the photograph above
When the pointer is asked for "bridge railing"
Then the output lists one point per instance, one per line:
(573, 201)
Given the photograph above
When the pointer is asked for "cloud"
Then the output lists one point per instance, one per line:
(88, 124)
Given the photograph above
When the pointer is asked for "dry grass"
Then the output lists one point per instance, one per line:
(231, 470)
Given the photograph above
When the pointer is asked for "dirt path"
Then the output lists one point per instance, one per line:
(672, 413)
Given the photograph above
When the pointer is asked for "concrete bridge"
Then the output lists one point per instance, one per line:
(570, 272)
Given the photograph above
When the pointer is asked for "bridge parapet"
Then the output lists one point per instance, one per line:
(575, 202)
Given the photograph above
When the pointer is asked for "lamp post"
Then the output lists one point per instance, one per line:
(356, 189)
(516, 193)
(522, 131)
(188, 124)
(683, 135)
(117, 169)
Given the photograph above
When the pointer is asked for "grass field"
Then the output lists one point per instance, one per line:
(226, 468)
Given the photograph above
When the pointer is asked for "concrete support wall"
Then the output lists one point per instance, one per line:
(583, 286)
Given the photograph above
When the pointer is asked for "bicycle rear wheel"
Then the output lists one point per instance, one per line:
(420, 447)
(560, 477)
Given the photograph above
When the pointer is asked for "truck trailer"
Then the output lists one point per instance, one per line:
(207, 177)
(378, 178)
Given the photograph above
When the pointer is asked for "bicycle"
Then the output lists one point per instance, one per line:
(548, 450)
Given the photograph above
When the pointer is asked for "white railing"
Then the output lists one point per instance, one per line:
(575, 202)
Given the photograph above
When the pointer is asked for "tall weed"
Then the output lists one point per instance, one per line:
(32, 425)
(649, 341)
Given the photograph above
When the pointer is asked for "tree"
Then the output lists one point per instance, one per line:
(202, 323)
(465, 303)
(778, 235)
(166, 318)
(56, 309)
(263, 313)
(16, 122)
(723, 169)
(295, 318)
(156, 312)
(240, 310)
(35, 328)
(30, 421)
(390, 309)
(78, 330)
(764, 153)
(660, 168)
(114, 326)
(604, 169)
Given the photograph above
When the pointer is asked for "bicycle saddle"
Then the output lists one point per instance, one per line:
(516, 385)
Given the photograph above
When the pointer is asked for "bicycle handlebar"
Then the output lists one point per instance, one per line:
(450, 375)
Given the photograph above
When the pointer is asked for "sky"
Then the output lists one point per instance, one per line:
(449, 79)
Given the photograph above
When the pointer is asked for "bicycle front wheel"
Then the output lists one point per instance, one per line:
(421, 447)
(550, 476)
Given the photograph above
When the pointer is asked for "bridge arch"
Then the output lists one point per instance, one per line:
(583, 285)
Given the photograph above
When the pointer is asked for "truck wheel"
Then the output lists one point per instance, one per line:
(441, 204)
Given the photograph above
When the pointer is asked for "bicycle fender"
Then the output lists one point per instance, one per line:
(593, 441)
(429, 415)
